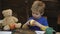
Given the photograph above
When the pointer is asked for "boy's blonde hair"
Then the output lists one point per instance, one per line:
(38, 6)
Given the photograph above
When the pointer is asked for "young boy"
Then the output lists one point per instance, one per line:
(37, 21)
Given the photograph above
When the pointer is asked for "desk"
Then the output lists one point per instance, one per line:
(22, 31)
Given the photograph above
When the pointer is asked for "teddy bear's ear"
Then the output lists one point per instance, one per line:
(7, 10)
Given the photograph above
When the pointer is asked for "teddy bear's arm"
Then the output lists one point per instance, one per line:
(15, 19)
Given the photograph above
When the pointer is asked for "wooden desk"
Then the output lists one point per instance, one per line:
(22, 31)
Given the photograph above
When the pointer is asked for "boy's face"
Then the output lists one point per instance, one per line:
(36, 14)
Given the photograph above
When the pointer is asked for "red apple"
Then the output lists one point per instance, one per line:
(12, 26)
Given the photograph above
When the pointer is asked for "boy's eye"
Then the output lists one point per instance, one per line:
(36, 14)
(41, 12)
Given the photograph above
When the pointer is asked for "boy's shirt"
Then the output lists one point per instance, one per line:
(41, 20)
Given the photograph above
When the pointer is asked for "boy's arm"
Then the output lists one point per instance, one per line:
(35, 23)
(42, 27)
(25, 26)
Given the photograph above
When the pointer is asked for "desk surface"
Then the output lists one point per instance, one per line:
(22, 31)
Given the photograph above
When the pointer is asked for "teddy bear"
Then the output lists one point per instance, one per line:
(9, 22)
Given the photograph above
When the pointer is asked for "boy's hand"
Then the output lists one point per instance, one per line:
(27, 23)
(33, 23)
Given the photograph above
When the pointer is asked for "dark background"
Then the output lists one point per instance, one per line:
(21, 10)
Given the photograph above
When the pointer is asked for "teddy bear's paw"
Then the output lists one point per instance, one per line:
(18, 25)
(6, 27)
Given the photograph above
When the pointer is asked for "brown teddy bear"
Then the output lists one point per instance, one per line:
(9, 21)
